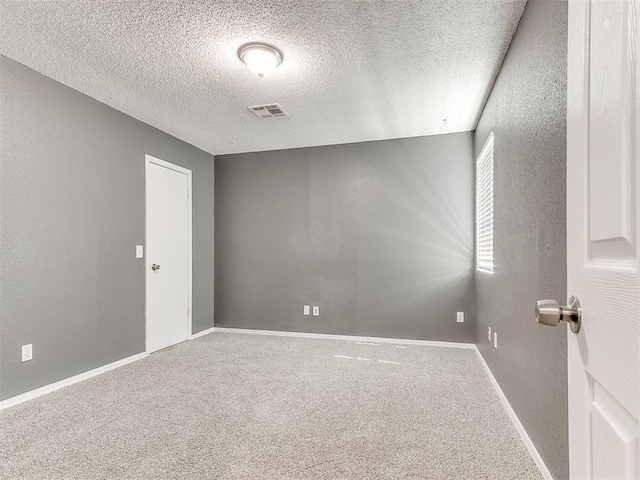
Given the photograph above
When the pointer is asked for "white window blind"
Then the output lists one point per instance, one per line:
(484, 207)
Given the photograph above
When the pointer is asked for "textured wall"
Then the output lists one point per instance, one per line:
(378, 234)
(527, 112)
(71, 213)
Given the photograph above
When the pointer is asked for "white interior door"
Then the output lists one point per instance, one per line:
(603, 247)
(168, 258)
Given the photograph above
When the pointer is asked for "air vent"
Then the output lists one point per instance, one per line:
(268, 111)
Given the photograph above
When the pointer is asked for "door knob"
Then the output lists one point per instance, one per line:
(155, 267)
(549, 312)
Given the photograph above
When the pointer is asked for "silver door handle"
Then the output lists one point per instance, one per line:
(155, 267)
(549, 312)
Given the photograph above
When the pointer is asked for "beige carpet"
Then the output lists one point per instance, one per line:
(237, 406)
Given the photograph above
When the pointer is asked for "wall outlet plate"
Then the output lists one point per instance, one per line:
(460, 317)
(139, 251)
(306, 310)
(316, 311)
(495, 340)
(489, 333)
(27, 352)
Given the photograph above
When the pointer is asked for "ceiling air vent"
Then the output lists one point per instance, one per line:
(268, 111)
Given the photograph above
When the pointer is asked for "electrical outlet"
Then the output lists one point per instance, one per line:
(316, 311)
(306, 310)
(460, 317)
(489, 333)
(139, 251)
(27, 352)
(495, 340)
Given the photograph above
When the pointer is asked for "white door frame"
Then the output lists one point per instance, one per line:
(148, 159)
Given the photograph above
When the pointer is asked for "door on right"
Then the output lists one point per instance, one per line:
(602, 238)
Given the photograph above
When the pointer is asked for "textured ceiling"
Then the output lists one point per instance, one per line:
(353, 70)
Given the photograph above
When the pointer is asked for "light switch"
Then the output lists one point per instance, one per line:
(139, 251)
(306, 310)
(316, 311)
(460, 317)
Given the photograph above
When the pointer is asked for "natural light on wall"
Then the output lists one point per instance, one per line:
(484, 207)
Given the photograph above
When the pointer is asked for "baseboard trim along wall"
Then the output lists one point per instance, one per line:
(24, 397)
(10, 402)
(201, 333)
(516, 421)
(329, 336)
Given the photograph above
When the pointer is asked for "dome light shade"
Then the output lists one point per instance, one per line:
(261, 58)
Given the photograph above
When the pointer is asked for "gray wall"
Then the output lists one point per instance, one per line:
(71, 213)
(378, 234)
(527, 112)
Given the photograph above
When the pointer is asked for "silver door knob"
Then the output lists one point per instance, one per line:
(549, 312)
(155, 267)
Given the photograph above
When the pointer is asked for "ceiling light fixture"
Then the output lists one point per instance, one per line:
(261, 58)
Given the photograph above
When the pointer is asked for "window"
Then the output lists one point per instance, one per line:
(484, 207)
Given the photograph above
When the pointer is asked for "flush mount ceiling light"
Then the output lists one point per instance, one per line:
(261, 58)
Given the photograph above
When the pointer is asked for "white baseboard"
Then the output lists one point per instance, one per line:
(201, 333)
(10, 402)
(352, 338)
(516, 421)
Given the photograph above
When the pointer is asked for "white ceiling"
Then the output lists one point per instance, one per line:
(353, 71)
